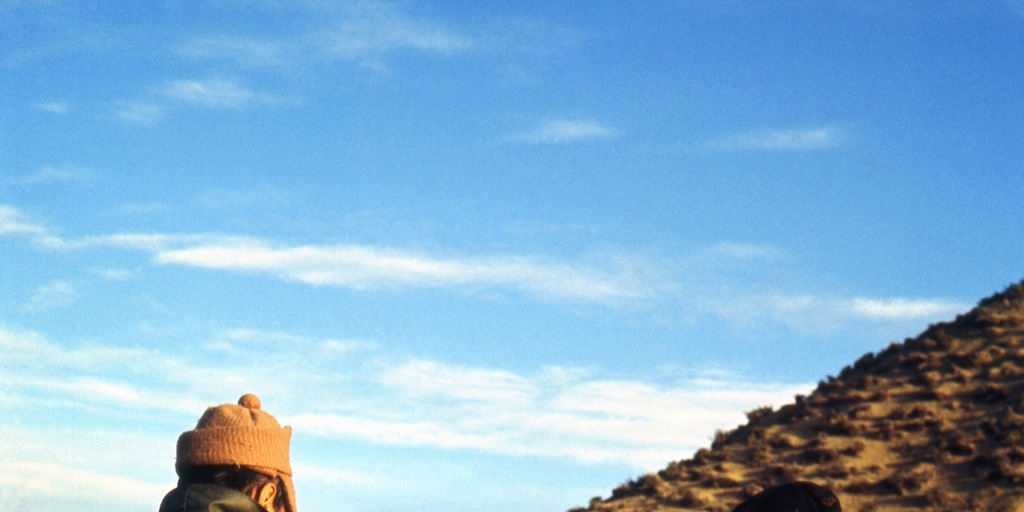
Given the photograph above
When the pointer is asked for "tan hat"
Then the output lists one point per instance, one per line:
(239, 435)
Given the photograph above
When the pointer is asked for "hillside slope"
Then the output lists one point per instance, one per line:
(934, 423)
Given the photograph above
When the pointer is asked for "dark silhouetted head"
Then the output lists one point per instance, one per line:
(792, 497)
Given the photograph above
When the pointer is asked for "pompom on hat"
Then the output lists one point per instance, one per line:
(240, 435)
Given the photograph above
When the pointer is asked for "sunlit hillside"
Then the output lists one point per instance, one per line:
(933, 423)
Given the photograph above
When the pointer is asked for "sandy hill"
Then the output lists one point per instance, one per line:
(933, 423)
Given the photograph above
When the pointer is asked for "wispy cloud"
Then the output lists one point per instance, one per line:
(905, 309)
(738, 251)
(144, 113)
(54, 107)
(796, 140)
(364, 32)
(54, 295)
(51, 174)
(13, 222)
(216, 93)
(368, 30)
(563, 131)
(817, 314)
(565, 413)
(613, 280)
(245, 51)
(360, 267)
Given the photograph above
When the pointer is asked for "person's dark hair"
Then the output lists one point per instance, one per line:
(792, 497)
(234, 477)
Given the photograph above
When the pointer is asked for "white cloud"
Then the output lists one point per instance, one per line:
(140, 112)
(815, 315)
(13, 222)
(343, 478)
(810, 139)
(739, 251)
(215, 93)
(54, 295)
(561, 413)
(433, 379)
(368, 29)
(28, 481)
(54, 107)
(65, 174)
(245, 51)
(564, 130)
(360, 267)
(905, 309)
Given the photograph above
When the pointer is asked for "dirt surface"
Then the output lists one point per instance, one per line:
(933, 423)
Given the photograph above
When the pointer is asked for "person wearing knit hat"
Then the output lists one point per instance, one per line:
(235, 460)
(792, 497)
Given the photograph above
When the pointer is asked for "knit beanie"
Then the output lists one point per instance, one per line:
(239, 435)
(792, 497)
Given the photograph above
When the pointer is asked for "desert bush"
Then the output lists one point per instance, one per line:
(912, 360)
(886, 430)
(702, 457)
(695, 498)
(759, 455)
(721, 437)
(929, 378)
(759, 413)
(840, 424)
(958, 444)
(992, 393)
(783, 441)
(819, 455)
(905, 483)
(864, 362)
(836, 470)
(942, 499)
(1004, 465)
(853, 448)
(782, 472)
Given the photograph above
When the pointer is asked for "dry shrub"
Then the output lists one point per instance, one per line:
(783, 441)
(853, 448)
(1007, 370)
(1002, 466)
(836, 470)
(782, 472)
(840, 425)
(905, 483)
(912, 361)
(886, 430)
(942, 499)
(695, 498)
(1006, 430)
(719, 481)
(929, 378)
(760, 413)
(759, 455)
(958, 444)
(992, 393)
(819, 455)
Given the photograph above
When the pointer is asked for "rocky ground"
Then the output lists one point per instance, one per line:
(933, 423)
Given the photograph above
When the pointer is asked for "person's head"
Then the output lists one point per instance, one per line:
(263, 489)
(243, 448)
(792, 497)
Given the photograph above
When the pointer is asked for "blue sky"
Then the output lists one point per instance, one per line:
(480, 255)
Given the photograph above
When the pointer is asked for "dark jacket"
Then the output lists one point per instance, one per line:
(208, 498)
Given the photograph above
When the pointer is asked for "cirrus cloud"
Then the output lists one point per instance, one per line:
(564, 130)
(779, 140)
